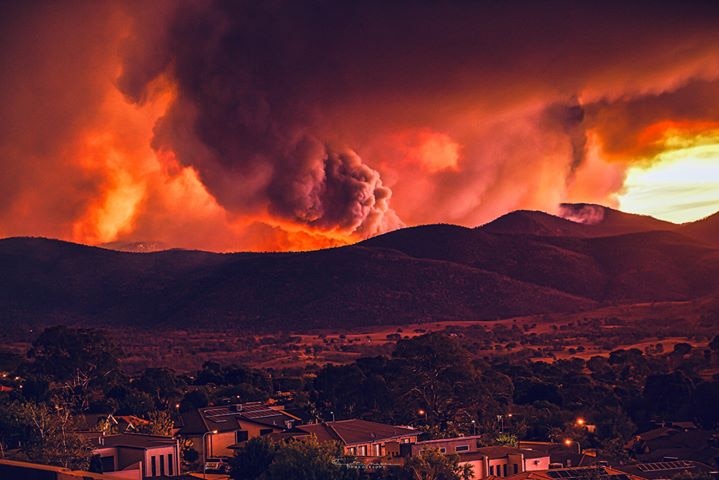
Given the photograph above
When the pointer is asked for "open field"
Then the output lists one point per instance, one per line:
(539, 337)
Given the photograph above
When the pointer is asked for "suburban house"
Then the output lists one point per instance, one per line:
(218, 431)
(361, 438)
(576, 473)
(498, 461)
(137, 456)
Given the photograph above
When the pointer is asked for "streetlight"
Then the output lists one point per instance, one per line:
(204, 453)
(423, 413)
(474, 428)
(580, 422)
(568, 442)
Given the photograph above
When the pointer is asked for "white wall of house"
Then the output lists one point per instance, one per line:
(165, 459)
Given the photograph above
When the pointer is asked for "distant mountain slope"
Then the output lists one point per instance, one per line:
(47, 281)
(528, 222)
(576, 220)
(706, 229)
(418, 274)
(644, 266)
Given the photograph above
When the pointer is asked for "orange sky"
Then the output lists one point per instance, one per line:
(286, 127)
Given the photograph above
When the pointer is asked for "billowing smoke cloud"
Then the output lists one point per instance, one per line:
(248, 116)
(299, 124)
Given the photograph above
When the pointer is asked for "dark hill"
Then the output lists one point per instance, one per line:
(601, 221)
(644, 266)
(576, 220)
(706, 229)
(427, 273)
(535, 223)
(47, 281)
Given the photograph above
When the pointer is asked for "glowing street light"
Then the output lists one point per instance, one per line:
(580, 422)
(204, 453)
(568, 442)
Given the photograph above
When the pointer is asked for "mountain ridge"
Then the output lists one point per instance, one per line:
(417, 274)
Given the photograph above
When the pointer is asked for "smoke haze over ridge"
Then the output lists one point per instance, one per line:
(292, 125)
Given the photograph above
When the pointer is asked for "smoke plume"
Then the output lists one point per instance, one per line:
(277, 125)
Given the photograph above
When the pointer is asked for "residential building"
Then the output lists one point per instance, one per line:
(497, 461)
(137, 456)
(218, 431)
(361, 438)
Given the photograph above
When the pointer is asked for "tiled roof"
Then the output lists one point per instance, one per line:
(351, 432)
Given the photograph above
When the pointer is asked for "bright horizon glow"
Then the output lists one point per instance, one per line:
(679, 186)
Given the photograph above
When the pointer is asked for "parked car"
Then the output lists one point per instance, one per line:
(217, 465)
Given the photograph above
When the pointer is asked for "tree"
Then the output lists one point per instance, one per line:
(77, 359)
(252, 461)
(432, 465)
(161, 423)
(69, 354)
(668, 395)
(306, 460)
(47, 434)
(682, 348)
(439, 378)
(161, 383)
(194, 399)
(704, 404)
(506, 439)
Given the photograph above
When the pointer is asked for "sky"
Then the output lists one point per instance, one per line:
(294, 125)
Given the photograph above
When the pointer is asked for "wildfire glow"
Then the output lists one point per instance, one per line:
(679, 185)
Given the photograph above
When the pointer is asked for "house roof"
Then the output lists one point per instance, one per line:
(355, 431)
(498, 452)
(133, 440)
(576, 473)
(89, 422)
(698, 445)
(664, 470)
(226, 418)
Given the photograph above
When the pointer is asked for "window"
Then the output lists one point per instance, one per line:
(442, 450)
(153, 466)
(461, 448)
(241, 436)
(108, 464)
(162, 465)
(265, 431)
(491, 469)
(362, 451)
(504, 469)
(352, 451)
(516, 468)
(170, 465)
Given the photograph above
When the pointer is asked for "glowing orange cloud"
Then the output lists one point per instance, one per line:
(119, 127)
